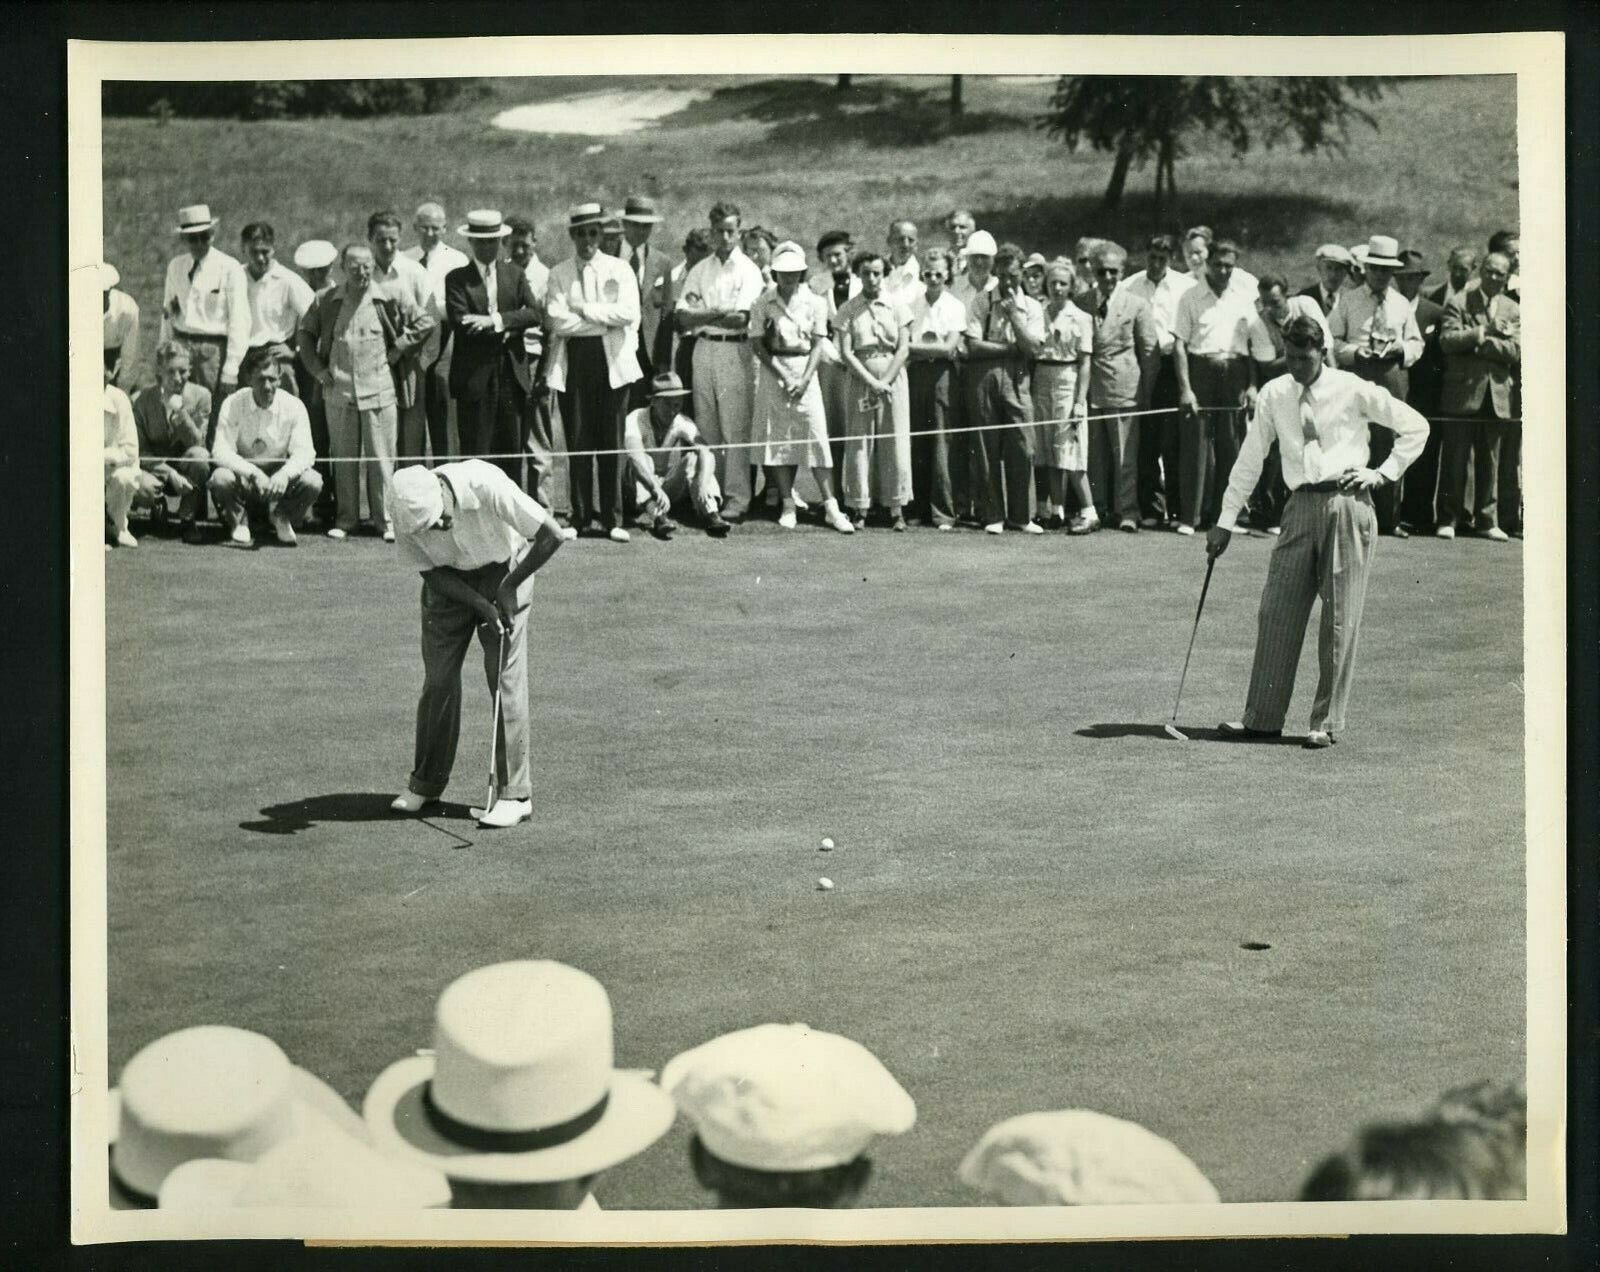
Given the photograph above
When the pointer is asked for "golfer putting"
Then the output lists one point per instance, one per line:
(1319, 417)
(478, 541)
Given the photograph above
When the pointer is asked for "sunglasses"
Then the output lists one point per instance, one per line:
(1111, 272)
(1302, 345)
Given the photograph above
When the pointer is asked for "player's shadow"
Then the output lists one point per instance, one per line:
(355, 806)
(1102, 732)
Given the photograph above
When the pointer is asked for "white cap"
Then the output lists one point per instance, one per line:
(788, 257)
(787, 1097)
(981, 243)
(1077, 1157)
(315, 254)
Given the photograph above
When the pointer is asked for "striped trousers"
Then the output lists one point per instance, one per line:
(1324, 553)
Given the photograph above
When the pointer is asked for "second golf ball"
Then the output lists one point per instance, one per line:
(827, 844)
(824, 884)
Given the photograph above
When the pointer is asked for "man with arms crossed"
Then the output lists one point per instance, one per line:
(1318, 415)
(477, 540)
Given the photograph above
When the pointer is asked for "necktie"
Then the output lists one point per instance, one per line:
(193, 270)
(424, 259)
(1308, 435)
(637, 261)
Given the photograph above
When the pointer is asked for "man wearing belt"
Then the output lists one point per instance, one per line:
(278, 296)
(1319, 418)
(1162, 288)
(477, 540)
(591, 316)
(1005, 328)
(1375, 335)
(714, 306)
(205, 305)
(437, 259)
(1212, 358)
(119, 324)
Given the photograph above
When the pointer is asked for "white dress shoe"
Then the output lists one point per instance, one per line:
(1445, 532)
(506, 812)
(838, 521)
(787, 519)
(283, 530)
(799, 503)
(388, 536)
(411, 802)
(125, 539)
(1183, 527)
(240, 536)
(995, 527)
(569, 533)
(1033, 527)
(337, 534)
(617, 535)
(1493, 532)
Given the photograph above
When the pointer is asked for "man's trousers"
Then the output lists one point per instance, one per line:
(1114, 464)
(1220, 384)
(447, 628)
(1000, 460)
(935, 391)
(371, 434)
(235, 501)
(724, 393)
(1324, 553)
(1486, 443)
(592, 413)
(1158, 448)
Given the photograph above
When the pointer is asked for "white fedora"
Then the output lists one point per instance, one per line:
(1383, 250)
(320, 1166)
(209, 1091)
(484, 223)
(195, 219)
(315, 254)
(519, 1087)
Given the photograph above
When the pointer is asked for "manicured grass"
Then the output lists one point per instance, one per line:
(800, 159)
(1041, 902)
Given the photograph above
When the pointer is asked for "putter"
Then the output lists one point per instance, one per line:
(1171, 727)
(494, 730)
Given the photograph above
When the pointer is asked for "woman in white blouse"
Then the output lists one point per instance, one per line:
(1061, 394)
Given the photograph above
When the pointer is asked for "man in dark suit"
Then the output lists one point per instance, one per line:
(1481, 337)
(1334, 264)
(1425, 380)
(652, 267)
(488, 305)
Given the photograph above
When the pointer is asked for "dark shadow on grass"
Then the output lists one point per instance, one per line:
(1257, 219)
(355, 806)
(811, 115)
(1104, 732)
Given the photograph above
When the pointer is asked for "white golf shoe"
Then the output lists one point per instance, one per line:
(411, 802)
(506, 812)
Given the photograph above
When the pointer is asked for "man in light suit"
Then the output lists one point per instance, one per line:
(652, 270)
(1482, 342)
(488, 305)
(438, 258)
(591, 319)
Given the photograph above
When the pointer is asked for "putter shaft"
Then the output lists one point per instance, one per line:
(1211, 562)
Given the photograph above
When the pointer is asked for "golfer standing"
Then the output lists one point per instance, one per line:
(478, 540)
(1318, 416)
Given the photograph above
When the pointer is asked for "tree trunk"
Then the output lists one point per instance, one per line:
(843, 82)
(1119, 176)
(955, 97)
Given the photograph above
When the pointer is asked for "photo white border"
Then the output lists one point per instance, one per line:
(1538, 61)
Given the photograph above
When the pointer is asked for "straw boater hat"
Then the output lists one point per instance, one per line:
(1077, 1157)
(612, 224)
(315, 254)
(195, 219)
(319, 1167)
(1383, 250)
(1358, 254)
(519, 1087)
(787, 1097)
(582, 214)
(211, 1091)
(485, 223)
(1334, 252)
(640, 208)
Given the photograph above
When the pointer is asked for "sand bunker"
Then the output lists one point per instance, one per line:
(606, 114)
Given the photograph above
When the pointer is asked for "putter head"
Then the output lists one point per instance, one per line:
(1173, 731)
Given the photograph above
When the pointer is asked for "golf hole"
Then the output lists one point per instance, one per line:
(1255, 945)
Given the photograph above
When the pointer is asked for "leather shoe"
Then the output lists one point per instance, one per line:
(411, 802)
(506, 812)
(1317, 739)
(1238, 731)
(1400, 532)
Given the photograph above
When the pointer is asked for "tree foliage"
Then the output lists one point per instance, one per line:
(284, 99)
(1143, 117)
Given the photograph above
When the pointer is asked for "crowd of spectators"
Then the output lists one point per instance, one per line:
(965, 383)
(517, 1104)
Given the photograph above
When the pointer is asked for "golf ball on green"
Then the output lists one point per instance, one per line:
(827, 844)
(825, 884)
